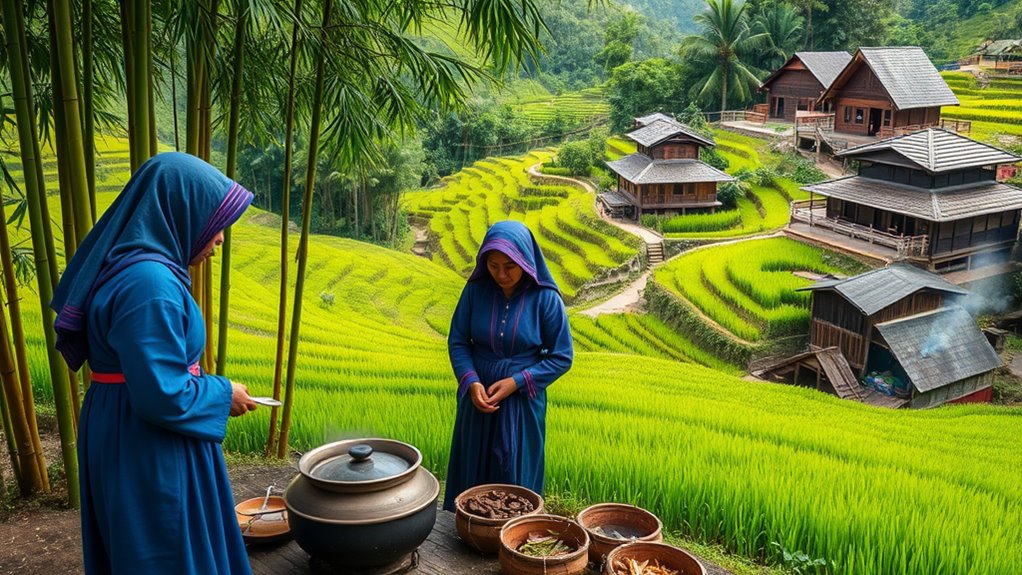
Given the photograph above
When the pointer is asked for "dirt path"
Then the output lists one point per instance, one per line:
(624, 301)
(421, 241)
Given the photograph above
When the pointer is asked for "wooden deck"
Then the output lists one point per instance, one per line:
(443, 553)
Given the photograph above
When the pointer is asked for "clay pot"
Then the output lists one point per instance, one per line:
(362, 503)
(628, 520)
(483, 533)
(516, 532)
(670, 557)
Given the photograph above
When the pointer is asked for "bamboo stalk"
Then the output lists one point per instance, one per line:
(20, 348)
(240, 29)
(87, 103)
(12, 446)
(36, 195)
(289, 124)
(138, 39)
(303, 242)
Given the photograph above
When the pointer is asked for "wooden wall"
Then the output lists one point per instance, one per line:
(796, 86)
(951, 392)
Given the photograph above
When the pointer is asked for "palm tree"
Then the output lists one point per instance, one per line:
(725, 44)
(783, 26)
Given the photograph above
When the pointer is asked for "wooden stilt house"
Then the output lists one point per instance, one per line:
(884, 91)
(665, 175)
(906, 321)
(801, 81)
(930, 197)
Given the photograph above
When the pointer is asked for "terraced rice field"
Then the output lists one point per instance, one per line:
(994, 111)
(724, 460)
(577, 244)
(573, 108)
(763, 209)
(748, 288)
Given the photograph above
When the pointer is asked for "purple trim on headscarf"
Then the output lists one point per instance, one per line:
(510, 250)
(235, 202)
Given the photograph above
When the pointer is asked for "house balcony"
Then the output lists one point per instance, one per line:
(811, 222)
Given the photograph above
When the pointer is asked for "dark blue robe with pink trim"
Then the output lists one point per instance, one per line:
(493, 337)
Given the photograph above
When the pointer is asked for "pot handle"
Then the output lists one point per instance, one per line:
(360, 452)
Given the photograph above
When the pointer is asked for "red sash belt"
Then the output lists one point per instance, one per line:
(114, 378)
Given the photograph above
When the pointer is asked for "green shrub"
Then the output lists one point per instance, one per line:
(576, 157)
(729, 193)
(714, 158)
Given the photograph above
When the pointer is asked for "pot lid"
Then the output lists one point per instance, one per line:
(360, 463)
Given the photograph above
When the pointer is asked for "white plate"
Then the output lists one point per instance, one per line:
(268, 401)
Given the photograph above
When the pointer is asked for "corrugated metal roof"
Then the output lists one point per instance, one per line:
(825, 66)
(937, 150)
(1001, 48)
(877, 289)
(939, 347)
(940, 205)
(646, 120)
(659, 130)
(640, 169)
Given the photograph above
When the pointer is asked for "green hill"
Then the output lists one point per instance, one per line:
(724, 460)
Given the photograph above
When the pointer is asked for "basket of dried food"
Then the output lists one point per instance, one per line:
(611, 525)
(642, 558)
(543, 545)
(481, 512)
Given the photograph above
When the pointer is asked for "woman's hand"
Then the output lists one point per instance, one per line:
(241, 403)
(501, 390)
(479, 398)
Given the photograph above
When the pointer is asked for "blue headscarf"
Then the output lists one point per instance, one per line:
(516, 241)
(169, 211)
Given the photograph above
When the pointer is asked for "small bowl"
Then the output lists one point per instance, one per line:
(260, 525)
(670, 557)
(635, 520)
(516, 532)
(483, 533)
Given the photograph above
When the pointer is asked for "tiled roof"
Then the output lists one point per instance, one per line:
(940, 347)
(640, 169)
(940, 205)
(906, 74)
(937, 150)
(659, 130)
(825, 66)
(877, 289)
(646, 120)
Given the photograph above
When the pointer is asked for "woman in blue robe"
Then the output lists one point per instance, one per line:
(509, 340)
(155, 492)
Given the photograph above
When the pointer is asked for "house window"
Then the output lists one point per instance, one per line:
(848, 114)
(887, 118)
(860, 116)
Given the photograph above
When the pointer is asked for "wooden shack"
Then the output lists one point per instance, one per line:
(931, 197)
(801, 81)
(884, 90)
(999, 55)
(665, 175)
(907, 321)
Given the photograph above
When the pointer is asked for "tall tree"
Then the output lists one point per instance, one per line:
(783, 26)
(726, 41)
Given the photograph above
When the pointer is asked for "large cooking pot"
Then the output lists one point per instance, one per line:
(362, 502)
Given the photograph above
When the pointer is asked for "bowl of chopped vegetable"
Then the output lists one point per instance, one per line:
(642, 558)
(481, 512)
(543, 545)
(611, 525)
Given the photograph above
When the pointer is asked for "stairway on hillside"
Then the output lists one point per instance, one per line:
(655, 251)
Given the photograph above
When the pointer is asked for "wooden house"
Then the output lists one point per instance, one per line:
(884, 90)
(906, 321)
(664, 175)
(930, 197)
(999, 55)
(801, 81)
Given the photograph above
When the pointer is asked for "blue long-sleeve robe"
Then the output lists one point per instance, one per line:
(156, 495)
(525, 337)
